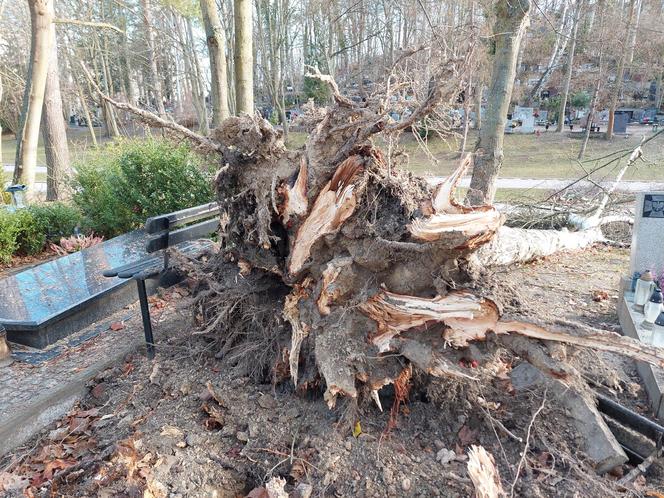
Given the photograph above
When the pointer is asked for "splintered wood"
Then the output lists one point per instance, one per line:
(484, 474)
(477, 224)
(334, 205)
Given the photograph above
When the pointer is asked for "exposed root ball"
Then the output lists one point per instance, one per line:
(335, 270)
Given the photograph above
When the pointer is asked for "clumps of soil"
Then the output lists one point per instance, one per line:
(189, 424)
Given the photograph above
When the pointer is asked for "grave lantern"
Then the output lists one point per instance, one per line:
(18, 196)
(643, 291)
(5, 351)
(635, 278)
(652, 309)
(658, 331)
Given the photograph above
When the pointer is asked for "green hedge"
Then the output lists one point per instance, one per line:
(119, 186)
(26, 231)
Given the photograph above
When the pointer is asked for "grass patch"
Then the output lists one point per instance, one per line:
(551, 155)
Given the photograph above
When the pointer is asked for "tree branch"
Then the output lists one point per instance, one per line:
(154, 120)
(91, 24)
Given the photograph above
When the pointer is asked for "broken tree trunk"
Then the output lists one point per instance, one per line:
(336, 271)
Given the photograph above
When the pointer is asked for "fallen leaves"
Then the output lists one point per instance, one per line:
(357, 429)
(65, 446)
(115, 326)
(599, 295)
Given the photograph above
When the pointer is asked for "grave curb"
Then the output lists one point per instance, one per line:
(652, 377)
(44, 410)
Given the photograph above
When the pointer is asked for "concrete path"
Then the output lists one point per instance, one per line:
(557, 184)
(514, 183)
(32, 396)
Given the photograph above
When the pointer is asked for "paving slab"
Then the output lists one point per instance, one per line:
(41, 386)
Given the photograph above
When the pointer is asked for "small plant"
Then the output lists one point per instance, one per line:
(75, 243)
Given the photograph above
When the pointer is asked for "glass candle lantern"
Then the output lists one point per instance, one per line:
(652, 309)
(18, 196)
(658, 331)
(5, 351)
(643, 291)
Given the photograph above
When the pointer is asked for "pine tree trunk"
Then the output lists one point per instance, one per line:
(244, 58)
(54, 128)
(511, 22)
(41, 16)
(216, 43)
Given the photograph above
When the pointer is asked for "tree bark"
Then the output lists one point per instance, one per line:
(54, 128)
(216, 43)
(569, 67)
(244, 58)
(510, 24)
(197, 81)
(41, 17)
(598, 82)
(155, 81)
(479, 88)
(617, 87)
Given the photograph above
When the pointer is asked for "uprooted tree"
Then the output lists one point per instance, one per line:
(338, 271)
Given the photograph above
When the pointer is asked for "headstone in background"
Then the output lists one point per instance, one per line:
(648, 234)
(526, 116)
(620, 120)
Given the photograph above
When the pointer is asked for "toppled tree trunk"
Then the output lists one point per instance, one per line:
(337, 272)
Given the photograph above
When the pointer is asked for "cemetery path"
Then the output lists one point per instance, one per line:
(187, 425)
(559, 184)
(503, 183)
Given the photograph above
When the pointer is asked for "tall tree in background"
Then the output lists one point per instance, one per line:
(511, 20)
(155, 81)
(600, 12)
(41, 18)
(244, 58)
(618, 85)
(569, 67)
(54, 128)
(216, 43)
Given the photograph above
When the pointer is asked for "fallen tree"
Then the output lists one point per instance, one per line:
(338, 272)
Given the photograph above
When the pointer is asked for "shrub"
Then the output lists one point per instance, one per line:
(30, 232)
(57, 219)
(26, 231)
(8, 231)
(118, 187)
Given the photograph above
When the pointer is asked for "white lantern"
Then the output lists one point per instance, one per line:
(658, 331)
(652, 309)
(644, 289)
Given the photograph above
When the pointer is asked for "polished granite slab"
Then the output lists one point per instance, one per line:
(35, 300)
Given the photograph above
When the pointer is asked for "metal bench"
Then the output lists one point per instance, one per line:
(181, 230)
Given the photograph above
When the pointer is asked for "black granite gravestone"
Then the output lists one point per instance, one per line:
(49, 301)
